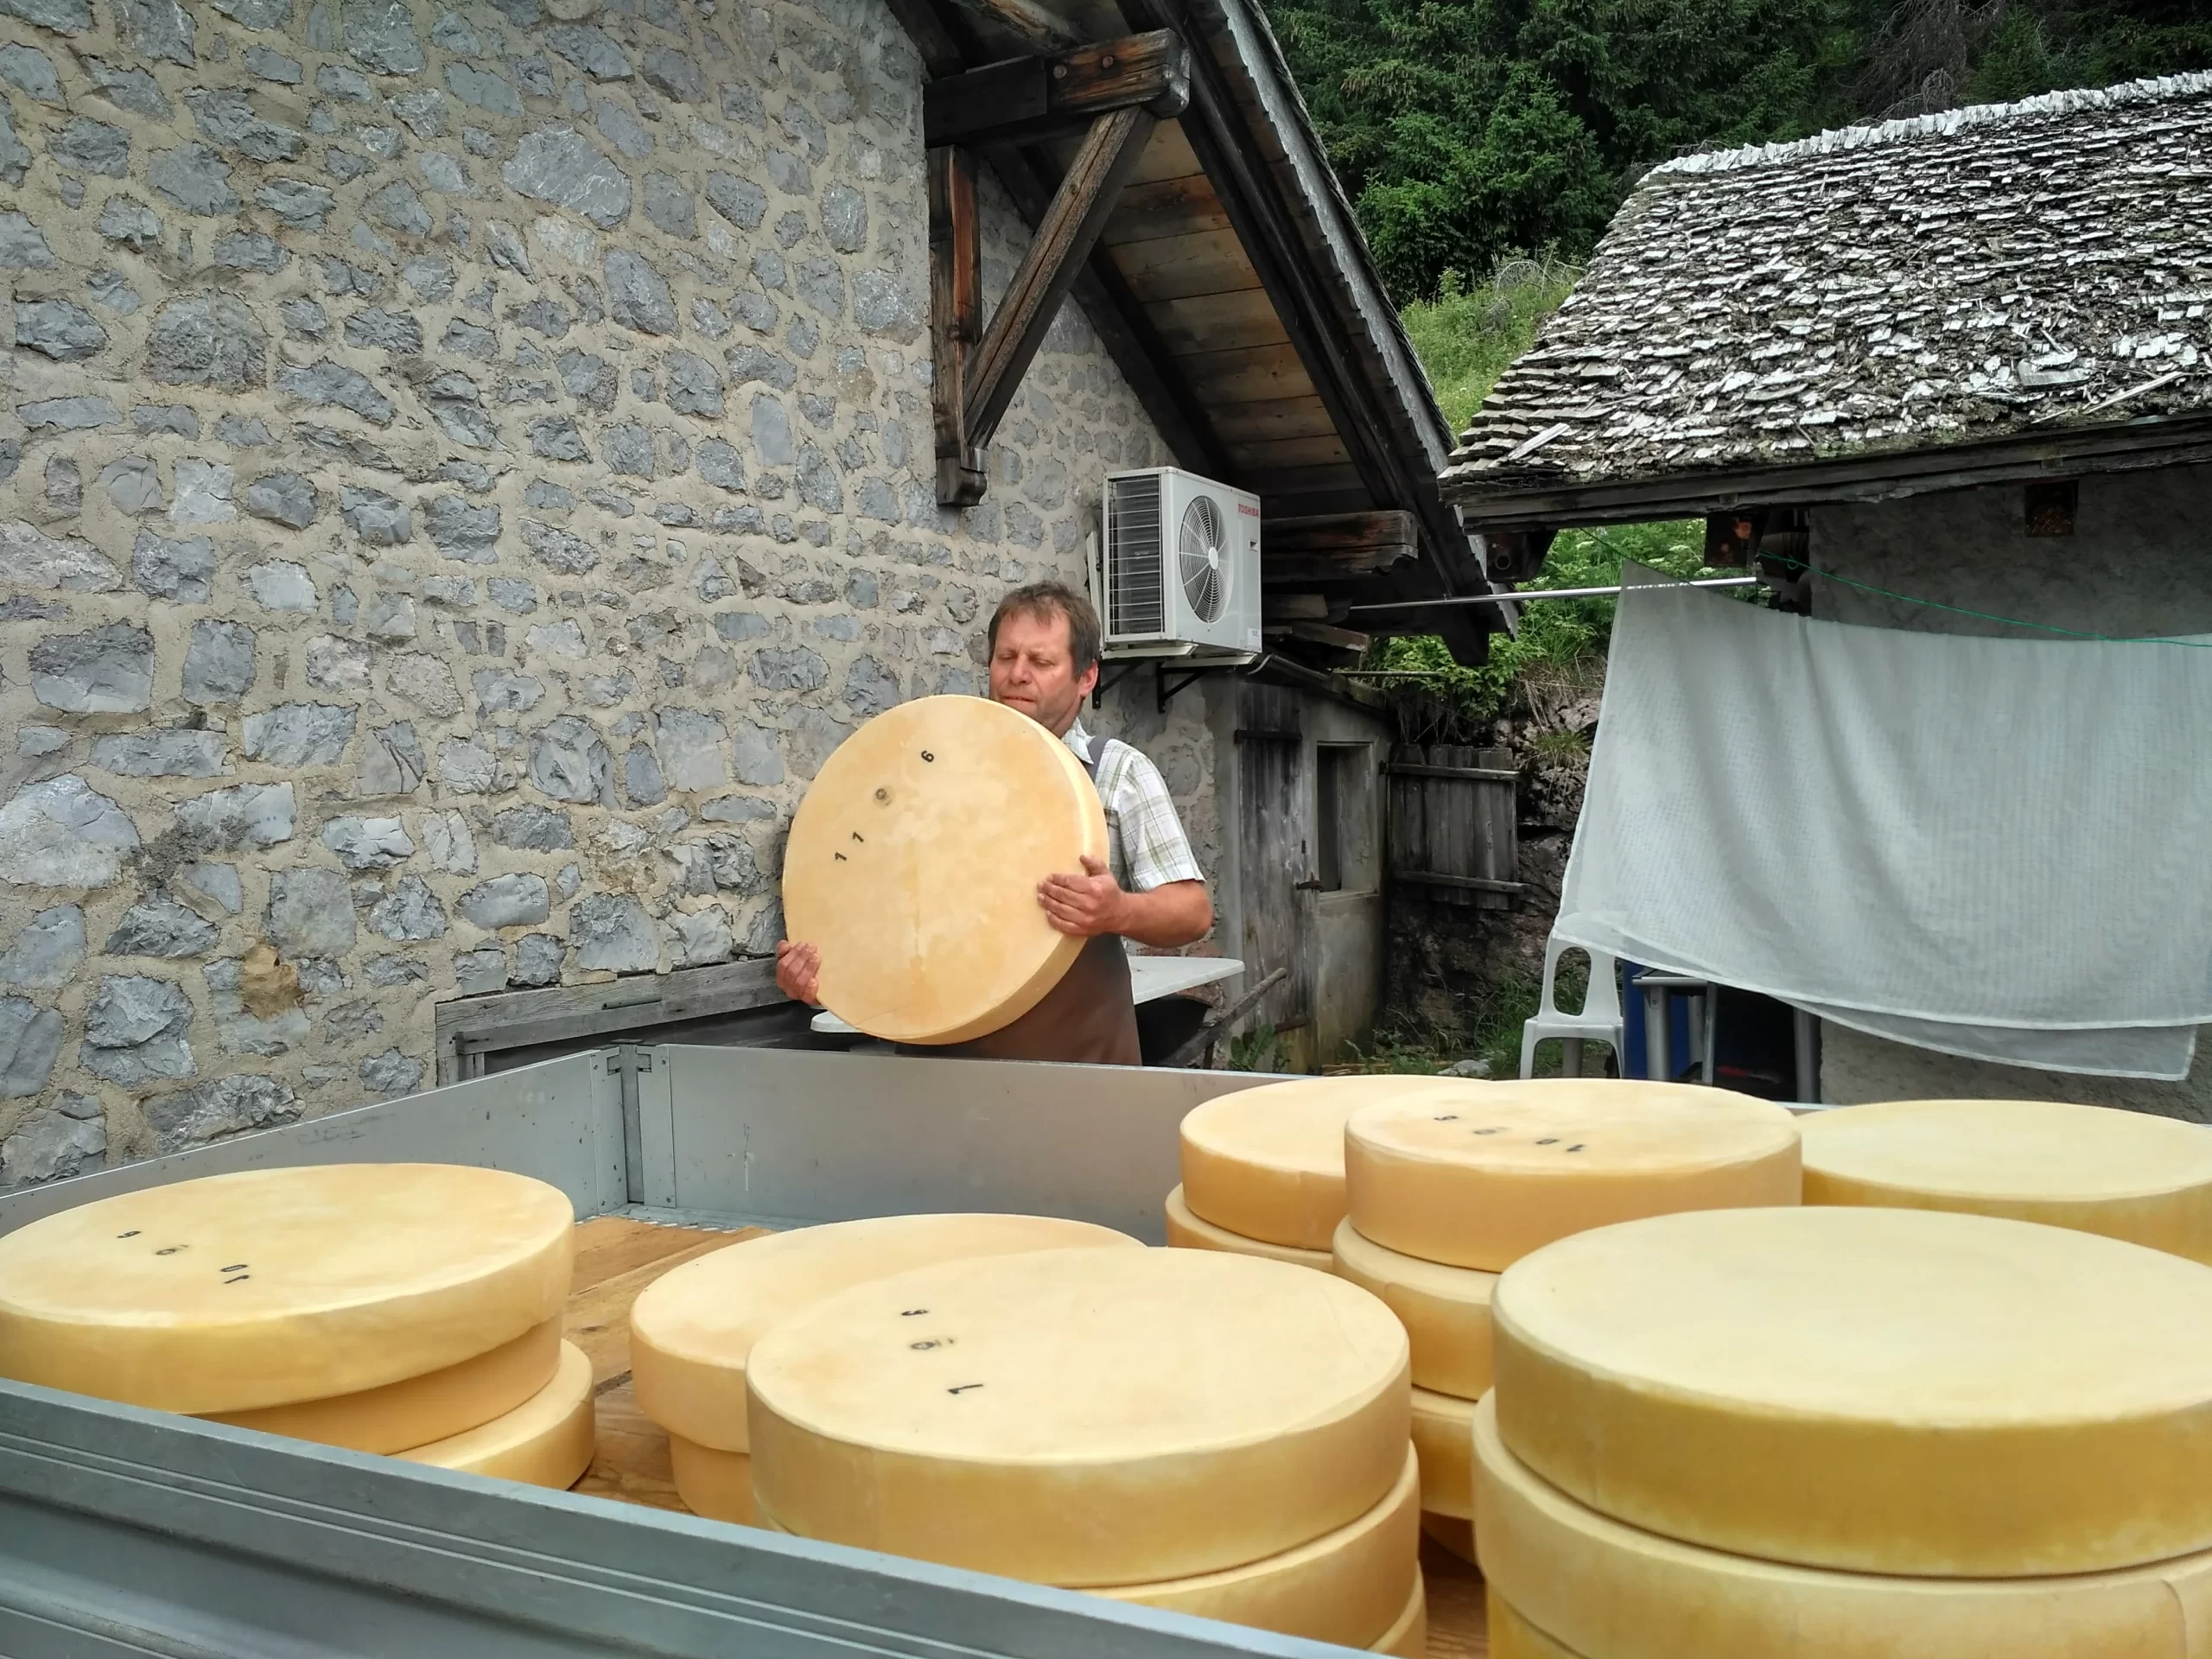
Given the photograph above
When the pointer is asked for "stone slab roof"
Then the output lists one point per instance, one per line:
(1993, 273)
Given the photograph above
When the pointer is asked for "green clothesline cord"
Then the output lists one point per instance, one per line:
(1989, 616)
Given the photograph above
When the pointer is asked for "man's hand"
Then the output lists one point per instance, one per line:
(1083, 905)
(798, 971)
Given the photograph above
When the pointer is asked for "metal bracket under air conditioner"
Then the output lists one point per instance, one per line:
(1188, 671)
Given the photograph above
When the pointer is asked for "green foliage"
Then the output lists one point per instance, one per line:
(1260, 1049)
(1469, 130)
(1466, 337)
(1491, 1017)
(1450, 704)
(2041, 45)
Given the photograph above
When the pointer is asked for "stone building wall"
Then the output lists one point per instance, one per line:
(461, 471)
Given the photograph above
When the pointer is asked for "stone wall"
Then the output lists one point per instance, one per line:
(461, 471)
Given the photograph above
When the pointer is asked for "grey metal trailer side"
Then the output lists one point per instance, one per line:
(133, 1532)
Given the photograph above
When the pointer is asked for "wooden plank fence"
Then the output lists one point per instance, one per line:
(1452, 823)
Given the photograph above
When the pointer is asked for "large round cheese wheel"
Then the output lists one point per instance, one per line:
(717, 1484)
(1186, 1232)
(1455, 1534)
(913, 863)
(1408, 1638)
(2124, 1174)
(1512, 1637)
(1611, 1589)
(1268, 1163)
(1882, 1391)
(399, 1416)
(547, 1440)
(691, 1329)
(1446, 1310)
(1082, 1417)
(1348, 1587)
(1442, 1435)
(237, 1292)
(1482, 1184)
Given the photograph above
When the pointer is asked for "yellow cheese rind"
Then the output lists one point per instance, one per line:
(547, 1440)
(236, 1292)
(1348, 1586)
(913, 863)
(691, 1330)
(400, 1415)
(2127, 1175)
(1083, 1417)
(1445, 1310)
(1512, 1637)
(1611, 1589)
(1408, 1638)
(717, 1484)
(1904, 1391)
(1522, 1164)
(1453, 1534)
(1268, 1163)
(1186, 1232)
(1441, 1431)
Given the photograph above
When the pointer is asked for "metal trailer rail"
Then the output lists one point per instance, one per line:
(126, 1532)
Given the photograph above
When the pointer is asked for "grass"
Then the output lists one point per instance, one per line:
(1558, 747)
(1489, 1030)
(1470, 335)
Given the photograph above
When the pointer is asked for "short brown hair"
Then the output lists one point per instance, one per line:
(1044, 600)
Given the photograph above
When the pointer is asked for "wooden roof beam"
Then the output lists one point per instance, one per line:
(1038, 27)
(1027, 99)
(975, 379)
(1123, 327)
(1344, 535)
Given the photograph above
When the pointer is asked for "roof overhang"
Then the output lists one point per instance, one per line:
(2128, 446)
(1232, 287)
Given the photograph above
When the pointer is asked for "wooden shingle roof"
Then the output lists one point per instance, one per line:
(1954, 298)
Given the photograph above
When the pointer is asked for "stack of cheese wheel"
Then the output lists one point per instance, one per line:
(2124, 1174)
(692, 1330)
(1203, 1432)
(912, 864)
(412, 1309)
(1445, 1194)
(1264, 1169)
(1849, 1433)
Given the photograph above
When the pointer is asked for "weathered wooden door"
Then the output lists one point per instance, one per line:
(1275, 843)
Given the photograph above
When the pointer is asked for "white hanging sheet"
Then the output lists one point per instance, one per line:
(1995, 847)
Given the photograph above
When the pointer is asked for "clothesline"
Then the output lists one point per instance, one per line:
(1543, 593)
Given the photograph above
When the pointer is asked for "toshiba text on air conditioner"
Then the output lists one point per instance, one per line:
(1180, 559)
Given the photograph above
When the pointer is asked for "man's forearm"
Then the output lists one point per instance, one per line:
(1168, 916)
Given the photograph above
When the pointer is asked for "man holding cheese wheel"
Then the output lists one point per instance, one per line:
(1044, 649)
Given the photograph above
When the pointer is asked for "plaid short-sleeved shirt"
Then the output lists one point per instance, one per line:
(1146, 845)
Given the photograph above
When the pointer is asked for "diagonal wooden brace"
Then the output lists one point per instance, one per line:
(973, 398)
(955, 320)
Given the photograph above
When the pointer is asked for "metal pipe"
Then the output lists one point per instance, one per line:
(1522, 595)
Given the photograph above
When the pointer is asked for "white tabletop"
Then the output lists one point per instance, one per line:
(1150, 978)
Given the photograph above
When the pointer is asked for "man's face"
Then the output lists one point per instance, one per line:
(1032, 671)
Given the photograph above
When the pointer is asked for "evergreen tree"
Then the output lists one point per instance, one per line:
(1467, 131)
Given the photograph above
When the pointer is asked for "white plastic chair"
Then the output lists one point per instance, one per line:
(1600, 1017)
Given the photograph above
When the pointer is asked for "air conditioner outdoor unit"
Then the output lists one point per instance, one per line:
(1180, 559)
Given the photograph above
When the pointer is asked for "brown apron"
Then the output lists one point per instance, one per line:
(1089, 1016)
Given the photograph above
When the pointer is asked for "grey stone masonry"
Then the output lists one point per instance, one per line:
(466, 465)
